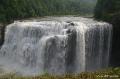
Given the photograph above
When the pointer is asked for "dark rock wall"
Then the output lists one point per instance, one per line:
(2, 31)
(115, 54)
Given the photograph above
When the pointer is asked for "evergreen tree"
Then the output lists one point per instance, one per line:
(18, 9)
(107, 9)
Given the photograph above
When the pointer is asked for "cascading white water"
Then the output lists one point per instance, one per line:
(67, 44)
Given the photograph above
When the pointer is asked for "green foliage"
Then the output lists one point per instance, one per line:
(18, 9)
(112, 73)
(108, 10)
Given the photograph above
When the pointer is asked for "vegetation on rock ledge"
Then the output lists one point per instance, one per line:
(104, 74)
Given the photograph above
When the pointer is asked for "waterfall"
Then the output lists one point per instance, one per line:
(57, 46)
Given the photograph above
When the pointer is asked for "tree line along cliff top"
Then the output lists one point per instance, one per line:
(17, 9)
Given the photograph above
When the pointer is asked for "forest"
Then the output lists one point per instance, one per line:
(18, 9)
(108, 10)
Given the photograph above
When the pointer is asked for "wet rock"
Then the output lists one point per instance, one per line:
(2, 31)
(70, 23)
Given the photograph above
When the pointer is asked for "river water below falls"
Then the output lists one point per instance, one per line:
(56, 45)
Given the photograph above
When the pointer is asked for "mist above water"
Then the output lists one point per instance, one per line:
(56, 45)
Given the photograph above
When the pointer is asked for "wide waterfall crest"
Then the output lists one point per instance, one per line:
(56, 46)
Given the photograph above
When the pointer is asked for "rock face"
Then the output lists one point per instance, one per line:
(2, 29)
(115, 55)
(56, 46)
